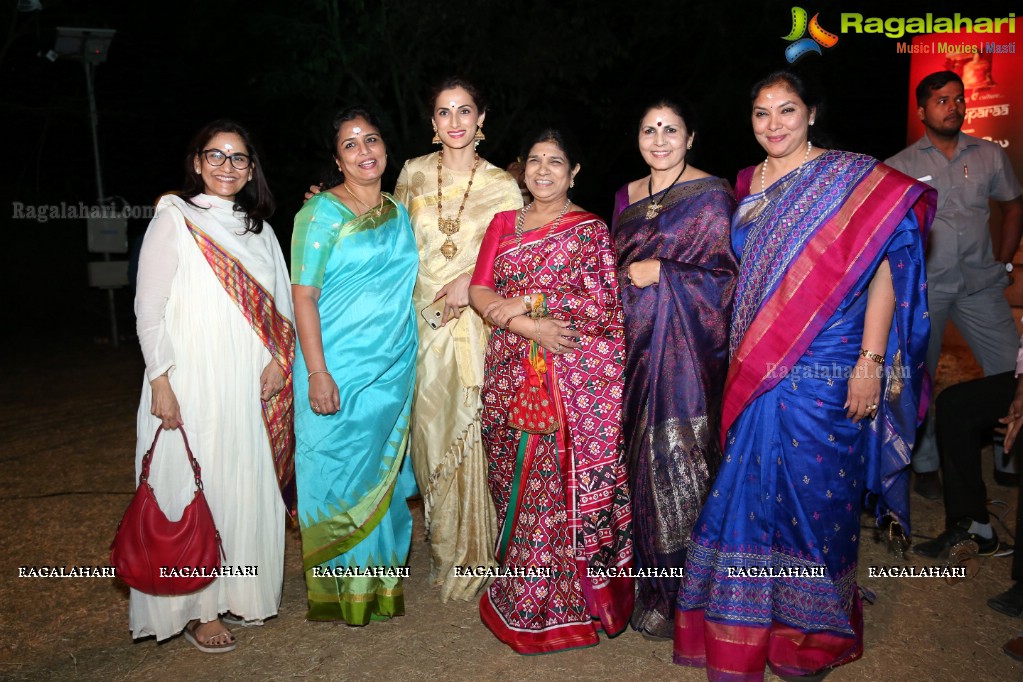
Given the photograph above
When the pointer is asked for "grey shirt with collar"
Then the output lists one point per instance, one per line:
(959, 253)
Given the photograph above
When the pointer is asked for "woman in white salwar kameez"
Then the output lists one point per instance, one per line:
(215, 326)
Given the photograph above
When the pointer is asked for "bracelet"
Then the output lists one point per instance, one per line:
(317, 371)
(528, 300)
(864, 353)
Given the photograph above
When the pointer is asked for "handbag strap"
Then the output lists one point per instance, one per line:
(148, 458)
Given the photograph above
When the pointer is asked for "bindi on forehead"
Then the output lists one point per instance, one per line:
(661, 122)
(773, 105)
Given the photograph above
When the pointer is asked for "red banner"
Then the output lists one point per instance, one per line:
(991, 69)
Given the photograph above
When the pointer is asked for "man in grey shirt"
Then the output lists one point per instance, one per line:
(966, 273)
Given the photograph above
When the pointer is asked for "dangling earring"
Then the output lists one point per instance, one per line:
(571, 184)
(478, 137)
(436, 137)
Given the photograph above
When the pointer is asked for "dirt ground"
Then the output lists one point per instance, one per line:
(66, 446)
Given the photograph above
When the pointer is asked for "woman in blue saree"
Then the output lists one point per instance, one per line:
(354, 264)
(828, 338)
(677, 274)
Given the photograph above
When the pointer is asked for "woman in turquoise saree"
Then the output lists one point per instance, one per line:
(354, 264)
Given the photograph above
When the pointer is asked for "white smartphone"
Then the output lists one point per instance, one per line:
(434, 313)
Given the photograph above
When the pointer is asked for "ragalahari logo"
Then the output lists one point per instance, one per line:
(801, 46)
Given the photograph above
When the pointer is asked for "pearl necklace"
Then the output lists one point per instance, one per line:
(763, 168)
(520, 223)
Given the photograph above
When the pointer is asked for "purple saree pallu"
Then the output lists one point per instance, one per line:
(676, 358)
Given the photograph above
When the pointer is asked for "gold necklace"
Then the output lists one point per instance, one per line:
(521, 221)
(365, 208)
(450, 226)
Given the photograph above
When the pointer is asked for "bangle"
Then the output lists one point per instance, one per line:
(864, 353)
(317, 371)
(528, 300)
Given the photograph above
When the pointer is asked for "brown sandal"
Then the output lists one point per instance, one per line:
(209, 645)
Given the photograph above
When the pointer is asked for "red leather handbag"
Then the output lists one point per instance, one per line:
(162, 557)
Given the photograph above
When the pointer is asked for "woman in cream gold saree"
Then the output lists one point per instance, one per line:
(451, 196)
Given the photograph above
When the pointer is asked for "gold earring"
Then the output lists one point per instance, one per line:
(478, 137)
(436, 137)
(571, 184)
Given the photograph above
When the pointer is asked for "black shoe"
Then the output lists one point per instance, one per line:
(1009, 602)
(928, 485)
(940, 547)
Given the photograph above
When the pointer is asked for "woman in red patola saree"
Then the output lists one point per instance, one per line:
(552, 400)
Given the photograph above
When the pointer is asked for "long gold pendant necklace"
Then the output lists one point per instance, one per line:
(450, 226)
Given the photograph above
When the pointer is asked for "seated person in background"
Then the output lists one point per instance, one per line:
(965, 416)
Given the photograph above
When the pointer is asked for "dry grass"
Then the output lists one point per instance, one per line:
(67, 440)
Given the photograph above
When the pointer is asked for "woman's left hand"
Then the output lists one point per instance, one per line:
(457, 292)
(500, 312)
(271, 381)
(644, 273)
(864, 393)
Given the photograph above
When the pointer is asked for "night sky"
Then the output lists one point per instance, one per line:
(281, 69)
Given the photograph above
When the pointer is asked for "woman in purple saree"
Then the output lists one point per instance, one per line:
(828, 338)
(676, 271)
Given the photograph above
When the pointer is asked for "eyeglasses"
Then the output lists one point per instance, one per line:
(215, 157)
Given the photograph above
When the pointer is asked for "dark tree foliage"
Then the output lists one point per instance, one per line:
(282, 68)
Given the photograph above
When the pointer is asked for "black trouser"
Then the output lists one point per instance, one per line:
(965, 416)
